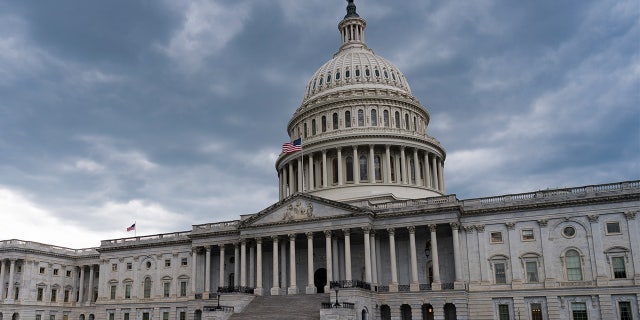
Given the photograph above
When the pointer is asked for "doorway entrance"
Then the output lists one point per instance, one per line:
(320, 279)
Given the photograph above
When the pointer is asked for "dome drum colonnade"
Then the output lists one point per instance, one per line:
(361, 129)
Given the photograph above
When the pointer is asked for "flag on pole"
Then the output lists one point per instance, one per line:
(132, 228)
(293, 146)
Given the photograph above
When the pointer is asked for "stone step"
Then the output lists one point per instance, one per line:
(294, 307)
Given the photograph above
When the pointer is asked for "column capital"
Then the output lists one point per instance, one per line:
(292, 236)
(327, 233)
(366, 229)
(355, 147)
(274, 238)
(346, 231)
(468, 229)
(412, 229)
(480, 227)
(324, 151)
(221, 246)
(433, 227)
(593, 218)
(510, 225)
(543, 222)
(309, 235)
(630, 215)
(236, 244)
(258, 240)
(455, 225)
(391, 231)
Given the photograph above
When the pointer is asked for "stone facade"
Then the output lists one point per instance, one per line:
(363, 218)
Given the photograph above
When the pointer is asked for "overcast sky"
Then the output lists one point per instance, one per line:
(172, 113)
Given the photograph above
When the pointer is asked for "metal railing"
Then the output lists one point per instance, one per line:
(342, 305)
(226, 309)
(235, 289)
(350, 284)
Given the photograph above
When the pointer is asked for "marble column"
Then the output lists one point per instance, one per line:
(416, 166)
(221, 281)
(367, 254)
(414, 285)
(252, 264)
(310, 173)
(290, 179)
(325, 175)
(194, 255)
(347, 254)
(236, 264)
(80, 291)
(300, 176)
(393, 286)
(634, 237)
(2, 272)
(356, 166)
(337, 267)
(441, 175)
(311, 288)
(258, 290)
(340, 171)
(207, 271)
(280, 185)
(293, 288)
(91, 278)
(387, 164)
(327, 235)
(372, 164)
(12, 271)
(403, 166)
(436, 285)
(283, 265)
(275, 288)
(374, 258)
(427, 174)
(243, 263)
(434, 173)
(457, 261)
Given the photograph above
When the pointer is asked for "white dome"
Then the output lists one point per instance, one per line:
(356, 66)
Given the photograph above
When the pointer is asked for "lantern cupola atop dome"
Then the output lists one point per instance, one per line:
(352, 27)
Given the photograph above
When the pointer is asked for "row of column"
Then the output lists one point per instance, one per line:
(81, 289)
(292, 179)
(370, 261)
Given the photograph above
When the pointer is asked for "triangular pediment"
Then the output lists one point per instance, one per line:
(302, 207)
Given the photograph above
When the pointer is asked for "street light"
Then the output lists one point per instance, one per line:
(336, 305)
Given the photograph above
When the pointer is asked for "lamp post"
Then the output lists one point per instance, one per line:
(218, 307)
(336, 305)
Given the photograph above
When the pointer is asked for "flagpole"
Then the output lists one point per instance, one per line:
(135, 229)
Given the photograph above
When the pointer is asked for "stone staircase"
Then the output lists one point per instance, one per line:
(287, 307)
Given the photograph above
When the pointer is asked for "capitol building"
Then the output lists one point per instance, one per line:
(364, 228)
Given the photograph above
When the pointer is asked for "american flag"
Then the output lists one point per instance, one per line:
(133, 227)
(293, 146)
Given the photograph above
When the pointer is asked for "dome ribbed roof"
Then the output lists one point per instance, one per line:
(356, 66)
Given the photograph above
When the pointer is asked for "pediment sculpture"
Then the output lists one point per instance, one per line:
(298, 211)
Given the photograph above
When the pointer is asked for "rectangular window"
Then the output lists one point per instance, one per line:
(165, 289)
(183, 288)
(40, 294)
(68, 273)
(126, 316)
(183, 261)
(112, 293)
(167, 263)
(145, 316)
(619, 271)
(165, 315)
(112, 316)
(536, 311)
(55, 272)
(129, 266)
(625, 310)
(527, 235)
(66, 296)
(501, 276)
(16, 293)
(496, 237)
(41, 270)
(114, 267)
(65, 317)
(183, 315)
(38, 317)
(613, 227)
(52, 317)
(127, 291)
(54, 295)
(579, 311)
(532, 271)
(503, 312)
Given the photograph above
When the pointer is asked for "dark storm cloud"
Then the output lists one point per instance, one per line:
(172, 113)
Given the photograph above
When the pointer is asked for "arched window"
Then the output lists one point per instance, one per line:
(385, 312)
(320, 84)
(377, 167)
(385, 115)
(386, 75)
(427, 312)
(349, 162)
(367, 72)
(324, 123)
(335, 170)
(305, 130)
(574, 265)
(347, 119)
(406, 121)
(363, 168)
(450, 311)
(347, 74)
(393, 75)
(360, 118)
(335, 121)
(147, 287)
(374, 118)
(357, 72)
(328, 79)
(405, 312)
(377, 73)
(412, 171)
(397, 116)
(313, 127)
(415, 124)
(337, 75)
